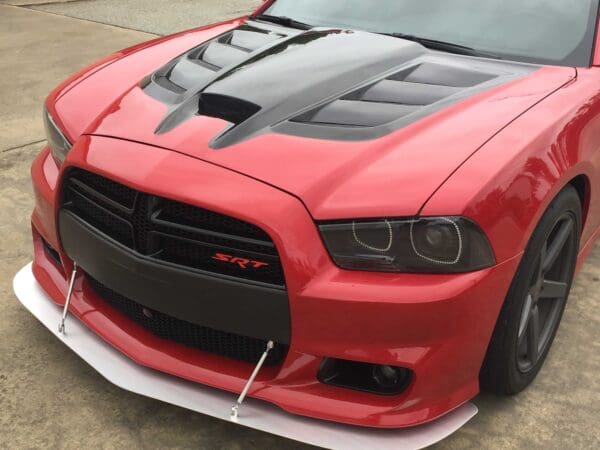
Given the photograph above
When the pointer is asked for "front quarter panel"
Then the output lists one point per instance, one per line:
(509, 183)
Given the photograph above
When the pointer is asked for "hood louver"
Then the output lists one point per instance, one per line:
(202, 64)
(396, 96)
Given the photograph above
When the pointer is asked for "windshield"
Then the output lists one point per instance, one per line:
(540, 31)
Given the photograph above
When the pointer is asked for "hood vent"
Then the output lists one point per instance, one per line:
(202, 64)
(397, 96)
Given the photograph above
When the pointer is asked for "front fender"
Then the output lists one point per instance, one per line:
(508, 184)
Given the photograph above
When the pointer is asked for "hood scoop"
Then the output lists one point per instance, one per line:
(323, 83)
(231, 109)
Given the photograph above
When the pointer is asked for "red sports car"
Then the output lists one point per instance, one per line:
(363, 212)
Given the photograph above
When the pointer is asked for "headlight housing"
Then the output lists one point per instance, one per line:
(421, 245)
(59, 144)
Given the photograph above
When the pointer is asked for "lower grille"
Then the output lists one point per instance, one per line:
(230, 345)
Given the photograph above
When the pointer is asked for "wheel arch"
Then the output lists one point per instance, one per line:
(582, 185)
(576, 177)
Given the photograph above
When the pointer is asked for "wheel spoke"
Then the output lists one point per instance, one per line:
(554, 289)
(543, 256)
(525, 317)
(554, 249)
(533, 335)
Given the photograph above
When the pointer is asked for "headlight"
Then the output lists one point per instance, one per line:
(423, 245)
(59, 144)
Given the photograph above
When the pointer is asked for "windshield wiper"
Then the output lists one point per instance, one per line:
(282, 20)
(444, 46)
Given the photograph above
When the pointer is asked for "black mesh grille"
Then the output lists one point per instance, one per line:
(221, 343)
(121, 194)
(171, 231)
(188, 215)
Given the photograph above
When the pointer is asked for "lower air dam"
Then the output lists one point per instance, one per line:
(123, 372)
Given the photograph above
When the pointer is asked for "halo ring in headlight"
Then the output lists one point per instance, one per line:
(373, 248)
(436, 260)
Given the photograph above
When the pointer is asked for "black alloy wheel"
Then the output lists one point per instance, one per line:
(548, 293)
(536, 300)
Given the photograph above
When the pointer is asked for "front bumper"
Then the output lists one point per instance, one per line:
(438, 326)
(124, 373)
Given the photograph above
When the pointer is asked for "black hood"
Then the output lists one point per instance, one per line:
(332, 84)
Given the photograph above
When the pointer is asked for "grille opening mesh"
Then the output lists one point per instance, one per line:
(180, 213)
(221, 343)
(121, 194)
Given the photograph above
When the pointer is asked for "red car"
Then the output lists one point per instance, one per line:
(382, 204)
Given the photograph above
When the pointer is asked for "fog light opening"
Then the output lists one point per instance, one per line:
(380, 379)
(388, 377)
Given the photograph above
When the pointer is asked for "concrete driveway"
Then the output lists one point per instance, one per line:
(51, 399)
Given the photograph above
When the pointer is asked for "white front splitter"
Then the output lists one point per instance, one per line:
(126, 374)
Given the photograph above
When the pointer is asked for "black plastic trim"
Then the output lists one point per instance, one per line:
(357, 376)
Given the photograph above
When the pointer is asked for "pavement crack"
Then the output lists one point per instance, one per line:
(29, 5)
(18, 147)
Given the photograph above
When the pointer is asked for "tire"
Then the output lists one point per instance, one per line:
(515, 356)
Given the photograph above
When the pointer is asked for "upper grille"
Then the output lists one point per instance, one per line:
(171, 231)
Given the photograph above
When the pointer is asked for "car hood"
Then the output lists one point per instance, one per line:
(354, 124)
